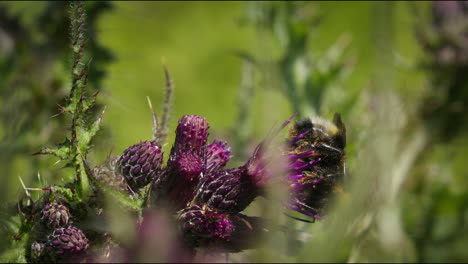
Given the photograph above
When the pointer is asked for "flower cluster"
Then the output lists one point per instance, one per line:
(65, 242)
(207, 198)
(204, 198)
(194, 184)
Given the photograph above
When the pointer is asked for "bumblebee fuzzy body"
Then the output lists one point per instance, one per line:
(321, 143)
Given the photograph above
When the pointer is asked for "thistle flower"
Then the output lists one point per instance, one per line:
(191, 135)
(54, 215)
(140, 164)
(229, 191)
(67, 242)
(202, 225)
(187, 161)
(316, 163)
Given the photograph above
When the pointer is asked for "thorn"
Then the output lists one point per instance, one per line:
(102, 113)
(39, 189)
(38, 153)
(89, 62)
(167, 102)
(62, 110)
(24, 187)
(155, 120)
(247, 223)
(110, 152)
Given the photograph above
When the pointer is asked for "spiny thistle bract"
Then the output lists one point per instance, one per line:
(229, 191)
(317, 163)
(140, 164)
(108, 174)
(54, 215)
(67, 242)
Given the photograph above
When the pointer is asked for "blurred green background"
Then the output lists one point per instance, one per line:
(230, 63)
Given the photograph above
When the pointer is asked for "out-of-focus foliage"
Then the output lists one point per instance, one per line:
(35, 67)
(389, 68)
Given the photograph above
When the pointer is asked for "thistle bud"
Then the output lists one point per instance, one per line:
(67, 242)
(187, 162)
(140, 164)
(229, 191)
(191, 134)
(202, 225)
(54, 215)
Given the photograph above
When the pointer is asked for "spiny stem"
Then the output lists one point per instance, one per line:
(78, 31)
(167, 105)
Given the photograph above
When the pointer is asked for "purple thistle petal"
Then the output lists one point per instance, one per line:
(297, 138)
(218, 155)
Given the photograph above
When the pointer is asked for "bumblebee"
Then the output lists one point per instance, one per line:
(317, 155)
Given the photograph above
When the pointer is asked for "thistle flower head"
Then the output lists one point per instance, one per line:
(54, 215)
(140, 164)
(66, 242)
(202, 225)
(187, 161)
(229, 191)
(191, 134)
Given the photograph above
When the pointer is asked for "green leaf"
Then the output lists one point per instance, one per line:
(17, 237)
(61, 151)
(15, 253)
(66, 192)
(122, 198)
